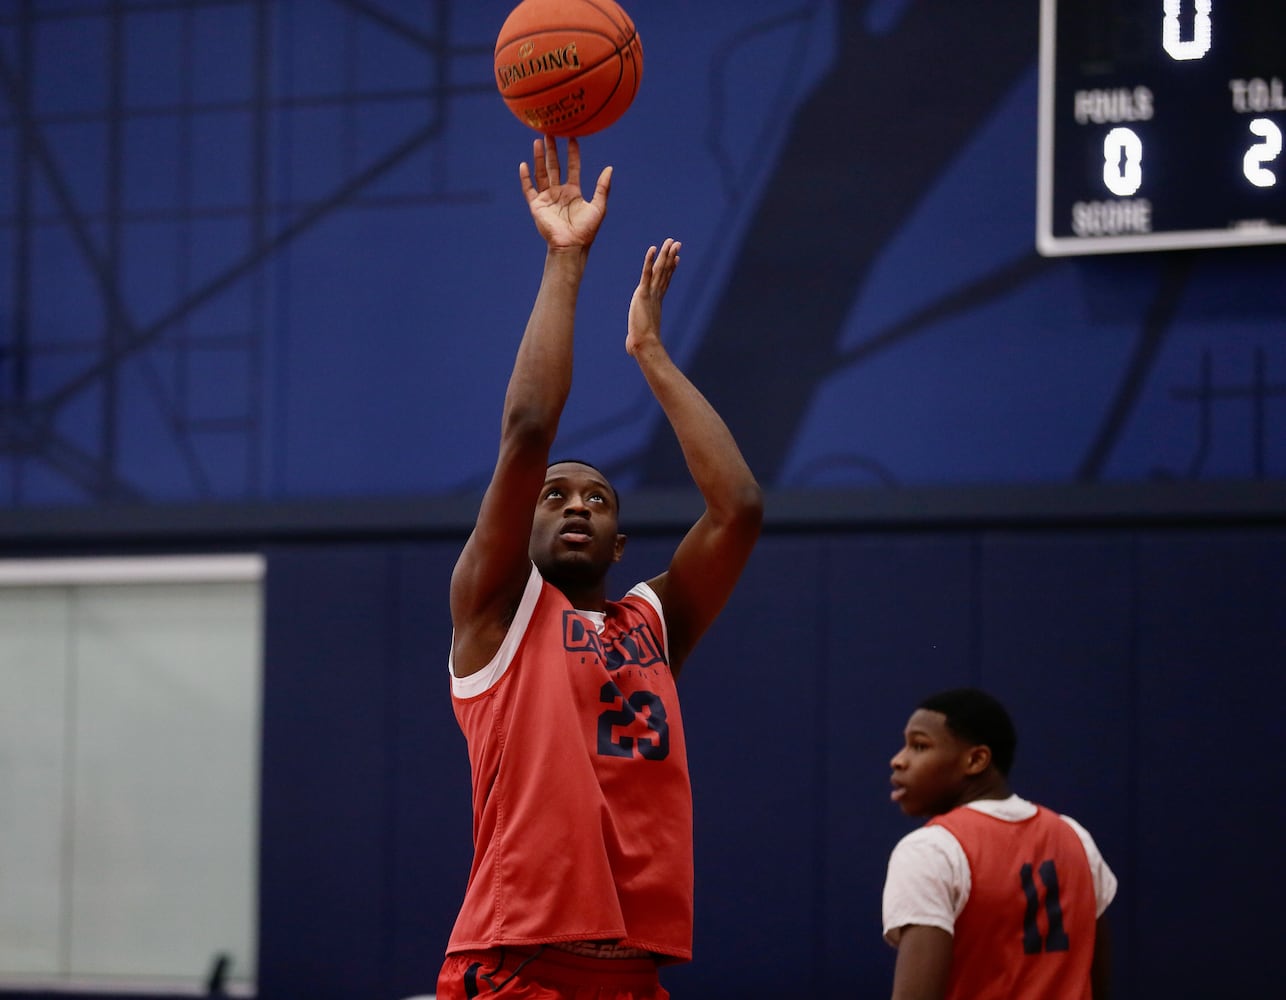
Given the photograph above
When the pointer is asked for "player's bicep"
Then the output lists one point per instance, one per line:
(701, 577)
(1101, 966)
(494, 564)
(923, 963)
(489, 573)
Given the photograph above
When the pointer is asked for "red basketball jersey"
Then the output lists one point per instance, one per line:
(582, 808)
(1027, 930)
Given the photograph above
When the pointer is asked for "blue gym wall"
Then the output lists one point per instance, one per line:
(1142, 665)
(264, 266)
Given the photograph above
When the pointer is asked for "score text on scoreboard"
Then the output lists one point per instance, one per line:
(1161, 125)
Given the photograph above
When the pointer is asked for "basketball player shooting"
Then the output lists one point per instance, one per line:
(582, 809)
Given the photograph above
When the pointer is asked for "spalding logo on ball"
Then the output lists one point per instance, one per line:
(568, 67)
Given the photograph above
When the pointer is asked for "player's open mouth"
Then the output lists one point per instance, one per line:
(898, 793)
(575, 532)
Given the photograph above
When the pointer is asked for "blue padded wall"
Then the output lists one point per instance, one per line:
(1143, 668)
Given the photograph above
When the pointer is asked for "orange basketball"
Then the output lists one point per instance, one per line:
(568, 67)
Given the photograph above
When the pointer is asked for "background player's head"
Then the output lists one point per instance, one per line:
(575, 530)
(958, 746)
(978, 718)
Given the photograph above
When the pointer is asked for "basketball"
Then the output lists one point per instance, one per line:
(568, 67)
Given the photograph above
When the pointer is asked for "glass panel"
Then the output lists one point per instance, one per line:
(130, 730)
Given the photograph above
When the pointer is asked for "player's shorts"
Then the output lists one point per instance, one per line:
(547, 974)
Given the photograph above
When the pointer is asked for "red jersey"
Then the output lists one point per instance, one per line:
(582, 807)
(1027, 930)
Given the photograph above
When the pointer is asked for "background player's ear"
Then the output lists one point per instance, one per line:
(979, 760)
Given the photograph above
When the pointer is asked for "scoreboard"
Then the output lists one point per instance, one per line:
(1160, 125)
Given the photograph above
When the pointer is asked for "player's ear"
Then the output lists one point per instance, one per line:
(978, 761)
(618, 549)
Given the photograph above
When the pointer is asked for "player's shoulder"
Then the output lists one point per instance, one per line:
(642, 597)
(1081, 832)
(931, 839)
(928, 859)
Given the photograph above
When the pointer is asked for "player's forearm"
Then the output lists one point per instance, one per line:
(1101, 966)
(923, 967)
(713, 458)
(542, 372)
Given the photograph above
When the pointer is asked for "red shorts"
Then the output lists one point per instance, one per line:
(547, 974)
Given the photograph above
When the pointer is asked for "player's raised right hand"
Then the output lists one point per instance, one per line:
(562, 215)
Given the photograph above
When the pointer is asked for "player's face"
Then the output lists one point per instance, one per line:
(574, 538)
(930, 770)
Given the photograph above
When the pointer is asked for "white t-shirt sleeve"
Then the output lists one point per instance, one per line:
(1104, 878)
(927, 883)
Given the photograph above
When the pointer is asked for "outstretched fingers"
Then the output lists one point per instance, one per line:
(534, 178)
(659, 265)
(643, 327)
(552, 168)
(602, 188)
(649, 258)
(573, 161)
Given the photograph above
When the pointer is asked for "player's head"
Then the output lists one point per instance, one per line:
(616, 497)
(955, 743)
(575, 531)
(979, 719)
